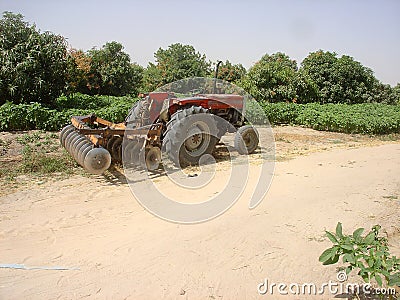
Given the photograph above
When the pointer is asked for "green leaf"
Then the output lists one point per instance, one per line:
(348, 257)
(327, 254)
(335, 251)
(370, 262)
(331, 260)
(357, 233)
(378, 279)
(378, 263)
(369, 238)
(385, 273)
(348, 270)
(360, 265)
(339, 232)
(347, 247)
(331, 237)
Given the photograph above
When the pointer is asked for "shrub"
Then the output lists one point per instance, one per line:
(366, 118)
(368, 254)
(38, 116)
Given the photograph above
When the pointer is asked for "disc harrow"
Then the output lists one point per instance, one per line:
(95, 143)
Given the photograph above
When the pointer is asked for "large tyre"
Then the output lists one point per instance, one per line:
(246, 139)
(191, 133)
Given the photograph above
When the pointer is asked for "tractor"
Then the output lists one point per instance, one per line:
(184, 128)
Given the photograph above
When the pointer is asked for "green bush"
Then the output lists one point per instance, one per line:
(368, 254)
(38, 116)
(366, 118)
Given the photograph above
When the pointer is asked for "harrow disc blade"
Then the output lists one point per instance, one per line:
(135, 153)
(79, 148)
(127, 156)
(153, 158)
(68, 139)
(74, 137)
(62, 132)
(82, 154)
(65, 132)
(116, 153)
(97, 160)
(75, 144)
(111, 142)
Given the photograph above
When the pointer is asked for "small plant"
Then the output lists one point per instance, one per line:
(368, 254)
(4, 144)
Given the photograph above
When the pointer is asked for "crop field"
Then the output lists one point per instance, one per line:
(366, 118)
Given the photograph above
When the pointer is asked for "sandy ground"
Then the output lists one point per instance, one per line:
(290, 142)
(123, 252)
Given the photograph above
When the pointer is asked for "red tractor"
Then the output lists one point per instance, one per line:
(184, 128)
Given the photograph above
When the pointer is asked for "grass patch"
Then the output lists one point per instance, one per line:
(42, 163)
(39, 153)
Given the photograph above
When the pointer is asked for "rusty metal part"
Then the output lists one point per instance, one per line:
(93, 141)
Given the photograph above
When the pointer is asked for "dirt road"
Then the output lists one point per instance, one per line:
(123, 252)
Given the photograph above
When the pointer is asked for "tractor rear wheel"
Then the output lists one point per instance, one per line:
(191, 133)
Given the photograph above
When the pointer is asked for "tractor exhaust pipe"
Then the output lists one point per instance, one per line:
(216, 76)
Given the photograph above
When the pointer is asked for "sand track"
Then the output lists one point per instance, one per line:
(123, 252)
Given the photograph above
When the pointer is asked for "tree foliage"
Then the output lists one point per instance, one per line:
(231, 72)
(396, 93)
(33, 64)
(339, 80)
(275, 78)
(105, 71)
(79, 65)
(111, 71)
(36, 67)
(384, 93)
(174, 63)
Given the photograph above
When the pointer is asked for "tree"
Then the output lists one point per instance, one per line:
(79, 64)
(33, 64)
(111, 71)
(305, 87)
(396, 92)
(339, 80)
(175, 63)
(231, 72)
(269, 79)
(384, 93)
(275, 78)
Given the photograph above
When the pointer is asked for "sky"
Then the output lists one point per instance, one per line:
(240, 31)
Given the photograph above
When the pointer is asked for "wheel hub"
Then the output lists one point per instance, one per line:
(247, 139)
(195, 138)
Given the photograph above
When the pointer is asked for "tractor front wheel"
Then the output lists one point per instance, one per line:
(246, 139)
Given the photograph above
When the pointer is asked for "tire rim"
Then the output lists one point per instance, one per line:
(199, 138)
(249, 139)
